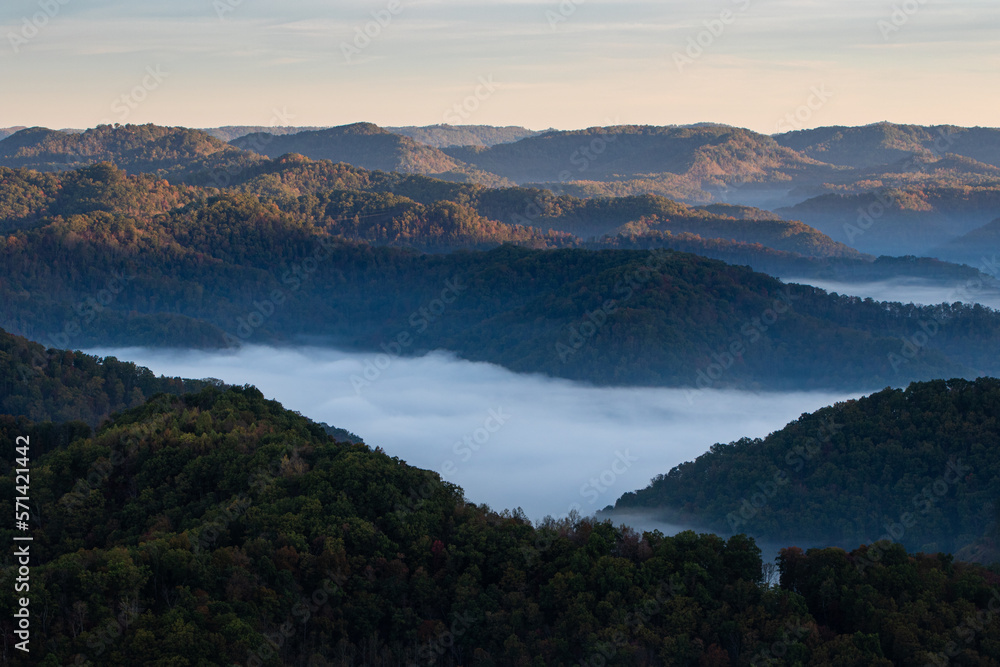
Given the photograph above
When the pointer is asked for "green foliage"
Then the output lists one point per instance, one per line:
(218, 528)
(62, 386)
(918, 466)
(196, 273)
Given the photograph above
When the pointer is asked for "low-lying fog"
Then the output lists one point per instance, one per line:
(910, 290)
(508, 440)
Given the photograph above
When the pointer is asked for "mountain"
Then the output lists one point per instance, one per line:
(219, 528)
(897, 221)
(28, 198)
(167, 152)
(518, 209)
(227, 263)
(738, 212)
(885, 143)
(364, 145)
(54, 385)
(917, 466)
(130, 261)
(610, 153)
(7, 131)
(778, 234)
(443, 136)
(973, 247)
(966, 281)
(229, 132)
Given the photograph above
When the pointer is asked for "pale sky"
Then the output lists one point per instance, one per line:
(569, 64)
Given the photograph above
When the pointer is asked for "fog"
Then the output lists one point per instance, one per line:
(909, 290)
(547, 446)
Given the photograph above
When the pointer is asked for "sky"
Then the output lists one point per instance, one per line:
(769, 65)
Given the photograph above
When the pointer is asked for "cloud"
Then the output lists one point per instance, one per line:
(509, 440)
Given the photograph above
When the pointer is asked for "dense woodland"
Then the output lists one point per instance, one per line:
(918, 466)
(164, 151)
(98, 257)
(442, 136)
(885, 143)
(185, 522)
(905, 219)
(218, 528)
(61, 386)
(934, 184)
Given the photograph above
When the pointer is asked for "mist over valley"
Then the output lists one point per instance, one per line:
(476, 424)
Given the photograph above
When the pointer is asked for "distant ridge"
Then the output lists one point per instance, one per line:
(228, 133)
(443, 136)
(883, 143)
(368, 146)
(153, 149)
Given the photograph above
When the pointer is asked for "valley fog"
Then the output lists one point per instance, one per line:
(547, 446)
(909, 290)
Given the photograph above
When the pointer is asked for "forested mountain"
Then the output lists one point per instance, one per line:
(885, 143)
(218, 528)
(443, 136)
(229, 132)
(897, 199)
(7, 131)
(436, 136)
(628, 221)
(740, 212)
(59, 385)
(295, 176)
(385, 208)
(693, 157)
(965, 281)
(167, 152)
(900, 220)
(368, 146)
(233, 267)
(99, 257)
(918, 466)
(28, 197)
(778, 234)
(971, 247)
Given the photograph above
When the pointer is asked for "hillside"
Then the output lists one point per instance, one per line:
(138, 261)
(898, 221)
(885, 143)
(7, 131)
(168, 152)
(793, 267)
(705, 153)
(219, 528)
(443, 136)
(209, 266)
(28, 197)
(972, 247)
(518, 208)
(229, 132)
(778, 234)
(920, 464)
(53, 385)
(367, 146)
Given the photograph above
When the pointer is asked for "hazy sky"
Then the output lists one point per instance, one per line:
(575, 63)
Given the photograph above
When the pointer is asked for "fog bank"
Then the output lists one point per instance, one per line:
(545, 445)
(909, 290)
